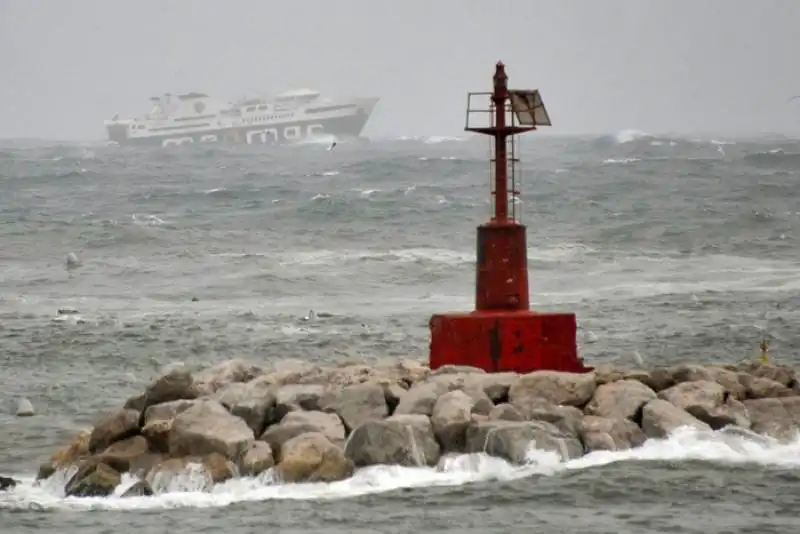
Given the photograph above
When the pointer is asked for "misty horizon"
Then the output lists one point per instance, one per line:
(661, 67)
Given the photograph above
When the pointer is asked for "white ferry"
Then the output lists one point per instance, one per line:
(290, 117)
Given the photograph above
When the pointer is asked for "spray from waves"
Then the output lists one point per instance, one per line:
(558, 253)
(411, 255)
(318, 140)
(775, 157)
(623, 161)
(191, 489)
(432, 139)
(628, 136)
(639, 138)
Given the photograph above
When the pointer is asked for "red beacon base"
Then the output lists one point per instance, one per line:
(520, 341)
(503, 334)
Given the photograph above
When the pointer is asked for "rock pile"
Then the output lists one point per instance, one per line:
(300, 422)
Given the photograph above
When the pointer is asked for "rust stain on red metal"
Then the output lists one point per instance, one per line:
(503, 333)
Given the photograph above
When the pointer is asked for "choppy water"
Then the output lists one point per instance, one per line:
(668, 249)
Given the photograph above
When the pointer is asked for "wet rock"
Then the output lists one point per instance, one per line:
(7, 483)
(275, 436)
(496, 385)
(410, 371)
(696, 393)
(306, 396)
(764, 388)
(140, 488)
(729, 380)
(119, 464)
(328, 424)
(605, 374)
(566, 418)
(777, 417)
(296, 368)
(293, 373)
(166, 410)
(218, 468)
(660, 418)
(659, 378)
(256, 459)
(356, 404)
(709, 402)
(177, 384)
(351, 375)
(777, 373)
(478, 418)
(604, 434)
(113, 427)
(318, 423)
(451, 369)
(569, 389)
(392, 393)
(214, 469)
(122, 453)
(514, 440)
(232, 393)
(420, 399)
(254, 401)
(636, 374)
(311, 457)
(224, 373)
(69, 455)
(622, 399)
(25, 408)
(136, 403)
(481, 403)
(398, 440)
(139, 466)
(730, 413)
(162, 473)
(207, 428)
(452, 414)
(256, 412)
(493, 387)
(157, 434)
(95, 480)
(280, 411)
(506, 412)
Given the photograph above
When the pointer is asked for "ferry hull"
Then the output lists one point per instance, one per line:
(347, 126)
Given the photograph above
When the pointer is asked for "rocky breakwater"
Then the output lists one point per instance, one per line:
(297, 422)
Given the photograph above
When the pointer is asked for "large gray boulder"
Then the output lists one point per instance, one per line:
(398, 440)
(207, 427)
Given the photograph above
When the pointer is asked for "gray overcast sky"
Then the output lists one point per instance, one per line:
(602, 66)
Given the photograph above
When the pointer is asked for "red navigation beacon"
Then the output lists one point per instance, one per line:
(503, 333)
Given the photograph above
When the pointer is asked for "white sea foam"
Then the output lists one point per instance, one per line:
(191, 489)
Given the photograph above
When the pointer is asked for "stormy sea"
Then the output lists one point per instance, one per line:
(668, 248)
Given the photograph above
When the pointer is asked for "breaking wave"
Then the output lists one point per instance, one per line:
(191, 489)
